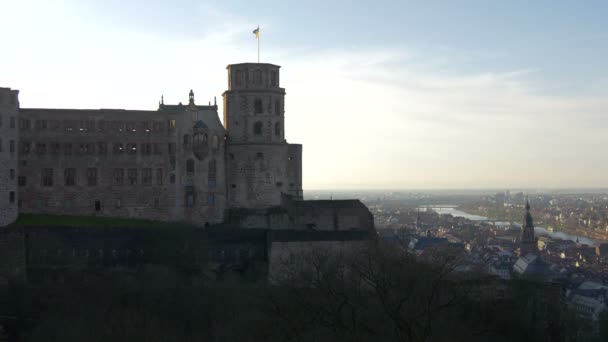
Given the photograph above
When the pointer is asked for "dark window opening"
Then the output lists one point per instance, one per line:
(279, 184)
(69, 176)
(146, 177)
(47, 177)
(132, 176)
(258, 106)
(186, 141)
(277, 129)
(97, 205)
(190, 166)
(259, 156)
(257, 128)
(273, 78)
(91, 176)
(22, 181)
(159, 176)
(11, 197)
(233, 186)
(119, 176)
(172, 179)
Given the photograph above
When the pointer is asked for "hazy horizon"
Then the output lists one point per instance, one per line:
(466, 95)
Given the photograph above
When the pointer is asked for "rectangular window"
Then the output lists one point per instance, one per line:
(102, 148)
(157, 126)
(172, 162)
(12, 122)
(12, 174)
(146, 177)
(91, 176)
(22, 181)
(67, 149)
(54, 148)
(131, 148)
(171, 148)
(118, 148)
(258, 106)
(70, 176)
(41, 124)
(119, 176)
(47, 177)
(211, 199)
(40, 149)
(171, 125)
(90, 148)
(12, 146)
(146, 149)
(132, 176)
(25, 147)
(11, 197)
(159, 176)
(157, 149)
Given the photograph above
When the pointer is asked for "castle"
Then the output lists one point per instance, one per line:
(176, 163)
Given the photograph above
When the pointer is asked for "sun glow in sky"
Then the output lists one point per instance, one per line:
(384, 94)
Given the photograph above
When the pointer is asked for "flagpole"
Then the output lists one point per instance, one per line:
(258, 44)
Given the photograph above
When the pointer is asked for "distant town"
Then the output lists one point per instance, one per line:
(570, 227)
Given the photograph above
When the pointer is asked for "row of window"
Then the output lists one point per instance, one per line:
(119, 177)
(242, 77)
(93, 126)
(11, 121)
(259, 125)
(201, 140)
(259, 108)
(99, 148)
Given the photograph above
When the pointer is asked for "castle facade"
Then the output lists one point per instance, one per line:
(176, 163)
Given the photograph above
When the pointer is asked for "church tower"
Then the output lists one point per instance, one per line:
(261, 165)
(528, 240)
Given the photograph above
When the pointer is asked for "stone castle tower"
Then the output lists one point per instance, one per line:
(261, 165)
(528, 240)
(9, 137)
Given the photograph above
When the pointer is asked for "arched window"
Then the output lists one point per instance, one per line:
(190, 166)
(277, 129)
(187, 141)
(258, 106)
(273, 78)
(257, 128)
(215, 142)
(257, 77)
(277, 107)
(239, 77)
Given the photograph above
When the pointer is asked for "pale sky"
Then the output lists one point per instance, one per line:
(382, 94)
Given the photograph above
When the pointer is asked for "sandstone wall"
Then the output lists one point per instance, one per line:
(9, 139)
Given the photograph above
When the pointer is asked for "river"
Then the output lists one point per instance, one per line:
(452, 210)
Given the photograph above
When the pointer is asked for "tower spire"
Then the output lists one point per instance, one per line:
(528, 240)
(191, 98)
